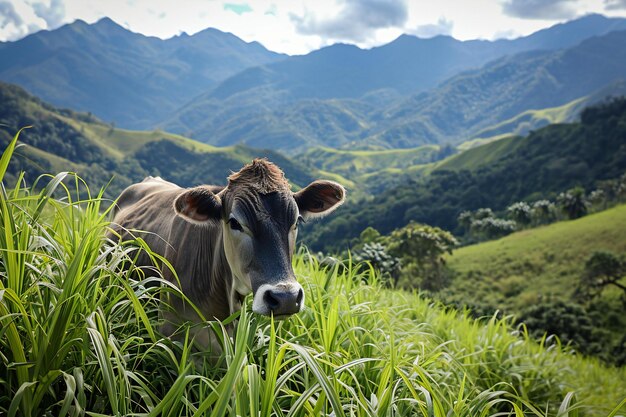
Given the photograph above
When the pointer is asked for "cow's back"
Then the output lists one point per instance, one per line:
(146, 210)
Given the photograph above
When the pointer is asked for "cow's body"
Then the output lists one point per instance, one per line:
(225, 242)
(149, 207)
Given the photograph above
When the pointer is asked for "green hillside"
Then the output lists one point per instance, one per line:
(540, 165)
(357, 349)
(479, 156)
(534, 119)
(530, 120)
(350, 163)
(535, 263)
(542, 267)
(373, 171)
(62, 140)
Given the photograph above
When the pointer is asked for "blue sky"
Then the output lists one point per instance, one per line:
(299, 26)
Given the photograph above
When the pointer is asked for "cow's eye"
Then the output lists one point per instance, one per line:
(300, 221)
(235, 225)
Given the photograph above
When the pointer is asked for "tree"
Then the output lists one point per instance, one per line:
(544, 211)
(601, 270)
(376, 255)
(465, 220)
(493, 228)
(573, 203)
(597, 199)
(369, 235)
(483, 213)
(520, 213)
(569, 321)
(422, 248)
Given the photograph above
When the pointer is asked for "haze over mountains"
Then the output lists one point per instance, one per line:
(217, 89)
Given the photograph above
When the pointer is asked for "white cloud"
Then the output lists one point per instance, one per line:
(356, 21)
(615, 4)
(429, 30)
(53, 13)
(540, 9)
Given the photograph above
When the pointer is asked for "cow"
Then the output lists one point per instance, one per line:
(225, 242)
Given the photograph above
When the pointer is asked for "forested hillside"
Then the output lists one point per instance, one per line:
(63, 140)
(542, 164)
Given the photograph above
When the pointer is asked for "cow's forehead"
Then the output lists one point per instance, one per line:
(251, 206)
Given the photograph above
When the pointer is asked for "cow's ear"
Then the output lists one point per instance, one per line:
(319, 198)
(198, 205)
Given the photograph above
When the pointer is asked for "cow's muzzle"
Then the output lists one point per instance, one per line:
(280, 300)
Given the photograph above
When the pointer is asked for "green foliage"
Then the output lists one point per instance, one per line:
(520, 213)
(78, 338)
(543, 211)
(421, 249)
(375, 254)
(573, 202)
(492, 228)
(602, 269)
(63, 140)
(569, 321)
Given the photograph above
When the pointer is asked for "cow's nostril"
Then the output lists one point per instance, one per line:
(270, 300)
(300, 296)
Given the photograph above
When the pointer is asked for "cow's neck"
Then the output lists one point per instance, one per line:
(214, 295)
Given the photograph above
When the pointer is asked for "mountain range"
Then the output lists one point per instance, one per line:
(409, 92)
(218, 89)
(121, 76)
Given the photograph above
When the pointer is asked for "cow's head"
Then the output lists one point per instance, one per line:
(259, 217)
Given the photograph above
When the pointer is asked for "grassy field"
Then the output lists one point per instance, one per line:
(79, 337)
(351, 163)
(370, 171)
(479, 156)
(544, 262)
(534, 119)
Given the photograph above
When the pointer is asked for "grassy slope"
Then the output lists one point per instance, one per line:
(480, 155)
(543, 262)
(535, 119)
(348, 162)
(357, 349)
(371, 171)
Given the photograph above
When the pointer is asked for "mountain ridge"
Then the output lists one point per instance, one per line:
(258, 96)
(128, 78)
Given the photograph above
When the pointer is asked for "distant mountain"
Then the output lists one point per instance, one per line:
(464, 105)
(540, 165)
(121, 76)
(63, 140)
(354, 89)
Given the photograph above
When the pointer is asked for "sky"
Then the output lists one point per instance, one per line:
(299, 26)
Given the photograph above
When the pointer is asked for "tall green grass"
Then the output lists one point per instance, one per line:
(79, 337)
